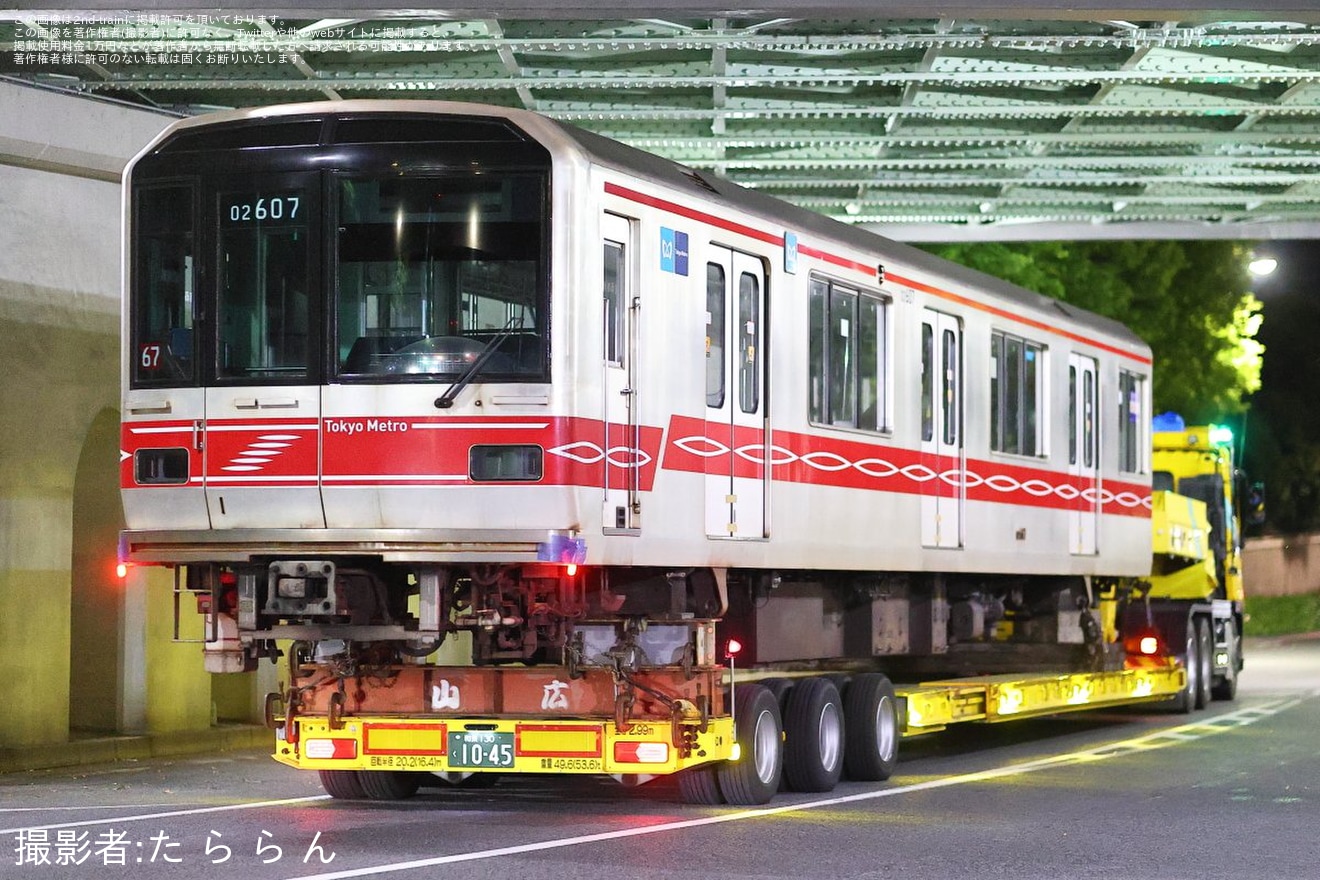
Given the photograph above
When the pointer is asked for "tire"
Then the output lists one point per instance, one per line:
(388, 785)
(1185, 702)
(1186, 699)
(870, 712)
(813, 736)
(342, 784)
(1226, 687)
(779, 687)
(754, 778)
(700, 786)
(1205, 647)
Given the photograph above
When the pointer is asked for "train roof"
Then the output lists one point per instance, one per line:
(707, 187)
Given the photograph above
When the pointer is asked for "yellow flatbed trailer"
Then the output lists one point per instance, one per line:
(595, 746)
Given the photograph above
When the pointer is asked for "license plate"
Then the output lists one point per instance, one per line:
(472, 749)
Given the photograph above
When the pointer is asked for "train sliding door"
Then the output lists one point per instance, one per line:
(621, 301)
(735, 399)
(942, 491)
(1083, 453)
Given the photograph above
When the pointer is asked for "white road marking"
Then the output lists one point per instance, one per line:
(116, 820)
(1161, 739)
(84, 807)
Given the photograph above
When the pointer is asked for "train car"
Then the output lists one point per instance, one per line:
(403, 374)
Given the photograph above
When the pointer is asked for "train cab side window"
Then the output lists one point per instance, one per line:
(714, 335)
(1133, 439)
(1017, 377)
(163, 284)
(847, 350)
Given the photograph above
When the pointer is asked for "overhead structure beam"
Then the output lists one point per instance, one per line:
(989, 114)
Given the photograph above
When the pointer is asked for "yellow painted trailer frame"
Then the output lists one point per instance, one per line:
(531, 745)
(932, 706)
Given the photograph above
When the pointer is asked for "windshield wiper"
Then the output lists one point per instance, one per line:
(446, 400)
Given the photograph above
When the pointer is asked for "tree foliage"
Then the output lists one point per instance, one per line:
(1189, 300)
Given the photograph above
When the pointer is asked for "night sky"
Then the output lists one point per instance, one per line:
(1291, 330)
(1284, 420)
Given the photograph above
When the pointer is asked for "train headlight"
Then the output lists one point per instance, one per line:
(523, 463)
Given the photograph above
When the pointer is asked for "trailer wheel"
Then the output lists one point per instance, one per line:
(870, 711)
(1204, 654)
(700, 786)
(388, 785)
(779, 687)
(1226, 687)
(342, 784)
(754, 777)
(814, 736)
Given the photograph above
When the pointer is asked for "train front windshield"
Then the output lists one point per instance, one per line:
(400, 257)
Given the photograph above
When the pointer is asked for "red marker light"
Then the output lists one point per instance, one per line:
(734, 648)
(121, 570)
(572, 569)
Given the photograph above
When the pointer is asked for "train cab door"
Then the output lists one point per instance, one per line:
(735, 398)
(941, 430)
(262, 446)
(621, 305)
(1083, 453)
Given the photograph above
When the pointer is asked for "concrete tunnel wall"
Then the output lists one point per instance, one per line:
(82, 651)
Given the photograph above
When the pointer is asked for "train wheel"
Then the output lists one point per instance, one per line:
(1204, 647)
(342, 784)
(1226, 687)
(388, 785)
(700, 786)
(754, 777)
(814, 736)
(870, 711)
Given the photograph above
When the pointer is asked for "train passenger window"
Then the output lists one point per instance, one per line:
(1088, 420)
(1133, 442)
(847, 351)
(263, 313)
(162, 287)
(1072, 414)
(950, 401)
(927, 382)
(714, 335)
(749, 354)
(613, 287)
(1017, 381)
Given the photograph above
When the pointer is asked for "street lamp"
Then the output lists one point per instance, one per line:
(1262, 266)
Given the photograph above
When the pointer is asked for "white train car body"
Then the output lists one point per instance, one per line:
(730, 382)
